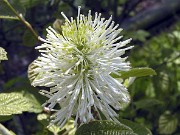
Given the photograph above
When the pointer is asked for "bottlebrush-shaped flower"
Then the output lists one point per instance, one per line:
(76, 65)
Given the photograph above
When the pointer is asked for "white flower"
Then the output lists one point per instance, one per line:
(76, 64)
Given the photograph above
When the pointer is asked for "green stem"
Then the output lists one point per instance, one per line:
(21, 18)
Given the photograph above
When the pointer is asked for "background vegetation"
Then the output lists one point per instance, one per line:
(154, 26)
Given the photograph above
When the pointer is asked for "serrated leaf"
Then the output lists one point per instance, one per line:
(13, 103)
(35, 105)
(137, 128)
(17, 103)
(147, 103)
(167, 123)
(135, 72)
(22, 85)
(3, 54)
(104, 128)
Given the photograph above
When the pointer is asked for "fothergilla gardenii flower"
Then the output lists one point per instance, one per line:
(77, 64)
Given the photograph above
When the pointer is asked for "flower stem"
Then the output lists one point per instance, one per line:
(22, 19)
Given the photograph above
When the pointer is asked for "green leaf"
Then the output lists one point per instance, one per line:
(140, 35)
(5, 131)
(29, 39)
(13, 103)
(5, 118)
(167, 123)
(12, 82)
(17, 102)
(129, 81)
(3, 54)
(69, 128)
(137, 128)
(147, 103)
(135, 72)
(31, 3)
(44, 119)
(35, 105)
(104, 128)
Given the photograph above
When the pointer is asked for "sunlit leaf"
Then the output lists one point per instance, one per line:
(44, 119)
(17, 103)
(129, 81)
(35, 105)
(13, 103)
(135, 72)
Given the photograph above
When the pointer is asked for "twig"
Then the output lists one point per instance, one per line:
(21, 18)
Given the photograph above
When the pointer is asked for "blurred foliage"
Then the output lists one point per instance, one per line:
(153, 97)
(155, 100)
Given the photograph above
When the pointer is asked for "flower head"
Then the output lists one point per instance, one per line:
(76, 64)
